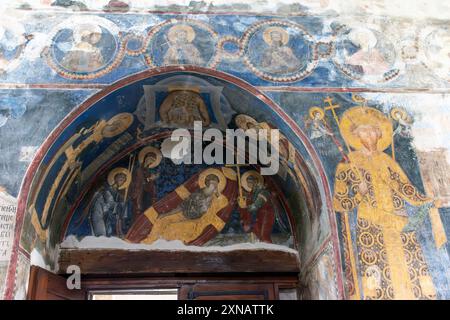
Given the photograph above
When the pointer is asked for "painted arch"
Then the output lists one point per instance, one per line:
(34, 229)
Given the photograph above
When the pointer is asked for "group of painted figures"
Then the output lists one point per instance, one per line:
(276, 50)
(127, 206)
(390, 210)
(383, 215)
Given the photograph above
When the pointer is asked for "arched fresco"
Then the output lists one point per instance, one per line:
(108, 155)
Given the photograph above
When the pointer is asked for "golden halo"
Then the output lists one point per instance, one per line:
(117, 124)
(398, 113)
(248, 174)
(357, 116)
(268, 39)
(147, 150)
(172, 33)
(217, 173)
(243, 120)
(112, 174)
(358, 98)
(313, 110)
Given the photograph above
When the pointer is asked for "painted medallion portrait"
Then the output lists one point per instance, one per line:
(176, 42)
(364, 54)
(279, 51)
(13, 41)
(436, 46)
(84, 47)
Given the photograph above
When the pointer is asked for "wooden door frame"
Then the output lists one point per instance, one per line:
(108, 270)
(44, 285)
(134, 282)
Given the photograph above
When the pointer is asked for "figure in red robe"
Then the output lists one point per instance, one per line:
(259, 215)
(143, 190)
(193, 213)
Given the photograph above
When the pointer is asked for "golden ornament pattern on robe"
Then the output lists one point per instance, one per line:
(372, 184)
(375, 271)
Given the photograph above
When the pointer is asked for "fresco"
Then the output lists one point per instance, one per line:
(304, 50)
(177, 102)
(364, 54)
(279, 51)
(154, 199)
(436, 44)
(72, 166)
(321, 279)
(181, 42)
(83, 49)
(13, 40)
(146, 196)
(391, 214)
(368, 92)
(379, 191)
(8, 207)
(183, 108)
(87, 189)
(42, 110)
(312, 215)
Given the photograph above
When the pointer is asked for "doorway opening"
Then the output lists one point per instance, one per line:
(152, 294)
(45, 285)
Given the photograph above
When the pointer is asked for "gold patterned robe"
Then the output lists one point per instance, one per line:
(390, 262)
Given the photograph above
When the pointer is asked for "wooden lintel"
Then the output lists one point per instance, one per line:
(119, 261)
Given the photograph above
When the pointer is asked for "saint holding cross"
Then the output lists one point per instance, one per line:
(372, 185)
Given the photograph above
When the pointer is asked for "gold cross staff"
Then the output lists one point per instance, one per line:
(242, 201)
(333, 108)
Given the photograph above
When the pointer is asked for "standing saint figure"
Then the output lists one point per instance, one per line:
(181, 49)
(143, 191)
(107, 210)
(368, 58)
(373, 185)
(278, 58)
(259, 215)
(84, 56)
(289, 158)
